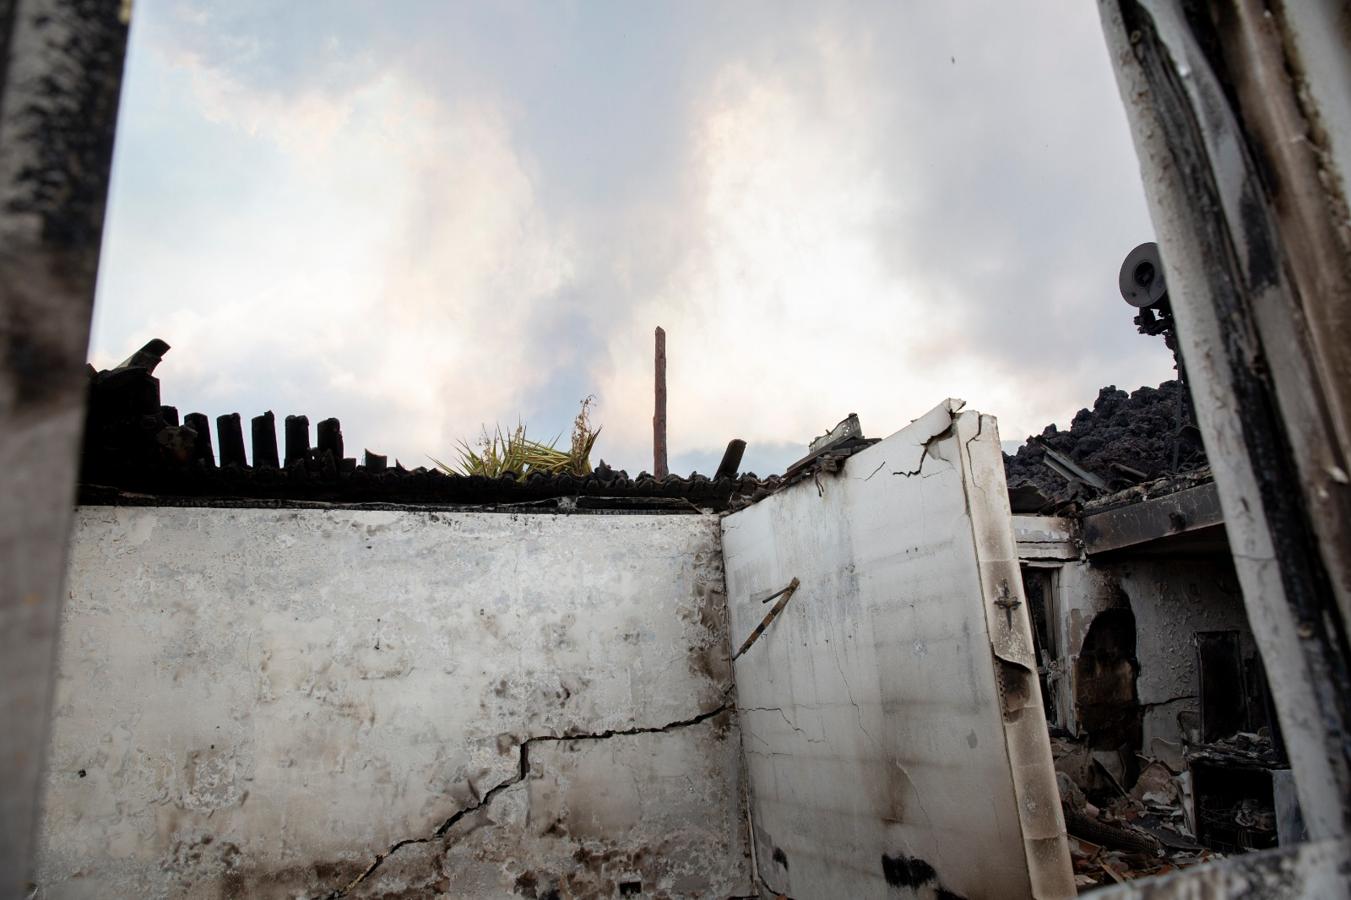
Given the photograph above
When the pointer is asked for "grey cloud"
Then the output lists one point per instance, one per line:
(1010, 178)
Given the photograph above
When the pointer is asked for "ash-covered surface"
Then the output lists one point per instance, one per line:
(1124, 439)
(137, 452)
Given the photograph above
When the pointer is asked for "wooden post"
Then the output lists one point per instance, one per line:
(230, 438)
(659, 416)
(265, 441)
(60, 72)
(297, 438)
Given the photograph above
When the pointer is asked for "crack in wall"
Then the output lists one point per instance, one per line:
(788, 721)
(941, 434)
(1170, 700)
(858, 711)
(522, 772)
(779, 895)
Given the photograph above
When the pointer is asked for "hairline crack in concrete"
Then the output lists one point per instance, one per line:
(522, 772)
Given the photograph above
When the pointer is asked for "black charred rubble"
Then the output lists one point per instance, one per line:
(1125, 439)
(137, 452)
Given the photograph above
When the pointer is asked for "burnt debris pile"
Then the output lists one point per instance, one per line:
(138, 450)
(1125, 439)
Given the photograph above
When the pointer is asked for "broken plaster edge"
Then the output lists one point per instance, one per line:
(1040, 818)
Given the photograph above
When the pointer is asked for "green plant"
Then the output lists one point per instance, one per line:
(514, 453)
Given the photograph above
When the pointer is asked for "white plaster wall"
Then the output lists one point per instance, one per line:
(258, 703)
(891, 718)
(1172, 598)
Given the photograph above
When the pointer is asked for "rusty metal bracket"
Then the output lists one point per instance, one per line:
(784, 596)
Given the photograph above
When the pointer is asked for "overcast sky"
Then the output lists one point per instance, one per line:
(421, 217)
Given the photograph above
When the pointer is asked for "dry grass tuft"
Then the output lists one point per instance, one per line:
(514, 453)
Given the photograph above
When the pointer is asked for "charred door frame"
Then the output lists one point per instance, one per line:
(60, 83)
(1230, 203)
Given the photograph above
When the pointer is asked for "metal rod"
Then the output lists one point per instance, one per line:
(784, 596)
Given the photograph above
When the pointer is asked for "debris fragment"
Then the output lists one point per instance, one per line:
(784, 596)
(1123, 437)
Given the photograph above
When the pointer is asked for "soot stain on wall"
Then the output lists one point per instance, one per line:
(912, 873)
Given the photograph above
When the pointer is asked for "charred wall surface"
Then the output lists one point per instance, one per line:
(1167, 602)
(374, 703)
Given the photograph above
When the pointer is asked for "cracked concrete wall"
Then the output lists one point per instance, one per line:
(324, 703)
(1172, 598)
(891, 718)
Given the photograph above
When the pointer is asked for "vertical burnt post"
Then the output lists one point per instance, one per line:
(60, 80)
(230, 434)
(265, 441)
(731, 459)
(329, 434)
(659, 416)
(202, 448)
(297, 438)
(1248, 202)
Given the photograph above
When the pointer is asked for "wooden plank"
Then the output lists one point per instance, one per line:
(659, 468)
(60, 79)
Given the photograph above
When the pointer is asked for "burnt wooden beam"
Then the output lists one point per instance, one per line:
(230, 436)
(659, 468)
(60, 80)
(329, 433)
(202, 448)
(265, 441)
(297, 438)
(1148, 521)
(148, 357)
(731, 459)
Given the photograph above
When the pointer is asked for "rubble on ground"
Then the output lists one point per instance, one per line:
(1117, 834)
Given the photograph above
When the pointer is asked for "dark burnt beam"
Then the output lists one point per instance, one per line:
(1148, 522)
(1217, 96)
(264, 429)
(60, 79)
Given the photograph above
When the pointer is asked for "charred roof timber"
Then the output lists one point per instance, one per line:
(825, 451)
(1140, 522)
(136, 451)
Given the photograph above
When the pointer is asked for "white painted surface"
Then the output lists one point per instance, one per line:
(256, 703)
(1172, 599)
(890, 711)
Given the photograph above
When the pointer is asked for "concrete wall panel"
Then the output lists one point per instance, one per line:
(891, 719)
(258, 703)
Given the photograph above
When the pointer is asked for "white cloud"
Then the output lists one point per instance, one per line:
(792, 319)
(387, 265)
(380, 225)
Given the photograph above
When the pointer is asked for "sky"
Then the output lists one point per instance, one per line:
(427, 217)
